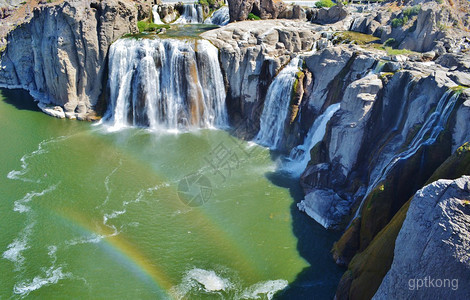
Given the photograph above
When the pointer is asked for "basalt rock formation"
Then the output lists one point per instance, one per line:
(419, 26)
(401, 117)
(265, 9)
(251, 54)
(431, 258)
(59, 55)
(399, 122)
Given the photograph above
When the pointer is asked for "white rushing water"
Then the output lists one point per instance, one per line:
(219, 17)
(156, 16)
(276, 106)
(165, 84)
(300, 155)
(192, 14)
(427, 135)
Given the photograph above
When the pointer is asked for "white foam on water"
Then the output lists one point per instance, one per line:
(20, 244)
(18, 174)
(51, 276)
(209, 280)
(268, 288)
(52, 250)
(199, 279)
(91, 239)
(106, 183)
(20, 205)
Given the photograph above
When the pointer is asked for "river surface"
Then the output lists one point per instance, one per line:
(134, 214)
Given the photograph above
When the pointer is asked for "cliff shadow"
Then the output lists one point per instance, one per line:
(321, 278)
(19, 98)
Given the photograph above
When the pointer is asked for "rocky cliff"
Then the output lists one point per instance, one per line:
(431, 258)
(418, 25)
(251, 54)
(59, 55)
(401, 116)
(264, 9)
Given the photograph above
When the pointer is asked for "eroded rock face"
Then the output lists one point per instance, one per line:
(329, 15)
(461, 132)
(60, 54)
(265, 9)
(432, 257)
(432, 26)
(377, 120)
(251, 54)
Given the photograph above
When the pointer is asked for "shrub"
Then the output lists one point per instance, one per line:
(252, 16)
(397, 22)
(407, 13)
(412, 11)
(325, 3)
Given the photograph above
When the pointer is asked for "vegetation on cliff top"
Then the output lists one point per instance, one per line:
(325, 3)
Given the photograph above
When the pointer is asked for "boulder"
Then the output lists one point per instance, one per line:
(265, 9)
(325, 207)
(330, 15)
(168, 13)
(461, 78)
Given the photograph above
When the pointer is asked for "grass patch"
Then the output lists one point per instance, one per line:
(356, 38)
(391, 51)
(148, 27)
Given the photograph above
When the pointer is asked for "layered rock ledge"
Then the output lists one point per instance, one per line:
(59, 55)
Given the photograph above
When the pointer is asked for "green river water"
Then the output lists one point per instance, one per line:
(87, 213)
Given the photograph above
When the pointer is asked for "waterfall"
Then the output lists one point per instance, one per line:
(192, 14)
(219, 17)
(156, 16)
(276, 106)
(165, 84)
(300, 155)
(427, 135)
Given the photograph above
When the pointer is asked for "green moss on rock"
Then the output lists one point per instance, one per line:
(455, 166)
(368, 268)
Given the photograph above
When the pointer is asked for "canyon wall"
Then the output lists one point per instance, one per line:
(59, 55)
(402, 118)
(431, 258)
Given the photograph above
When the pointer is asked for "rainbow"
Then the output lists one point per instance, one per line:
(124, 253)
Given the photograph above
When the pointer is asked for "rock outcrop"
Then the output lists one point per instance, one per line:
(60, 54)
(432, 257)
(368, 268)
(265, 9)
(329, 15)
(251, 54)
(419, 26)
